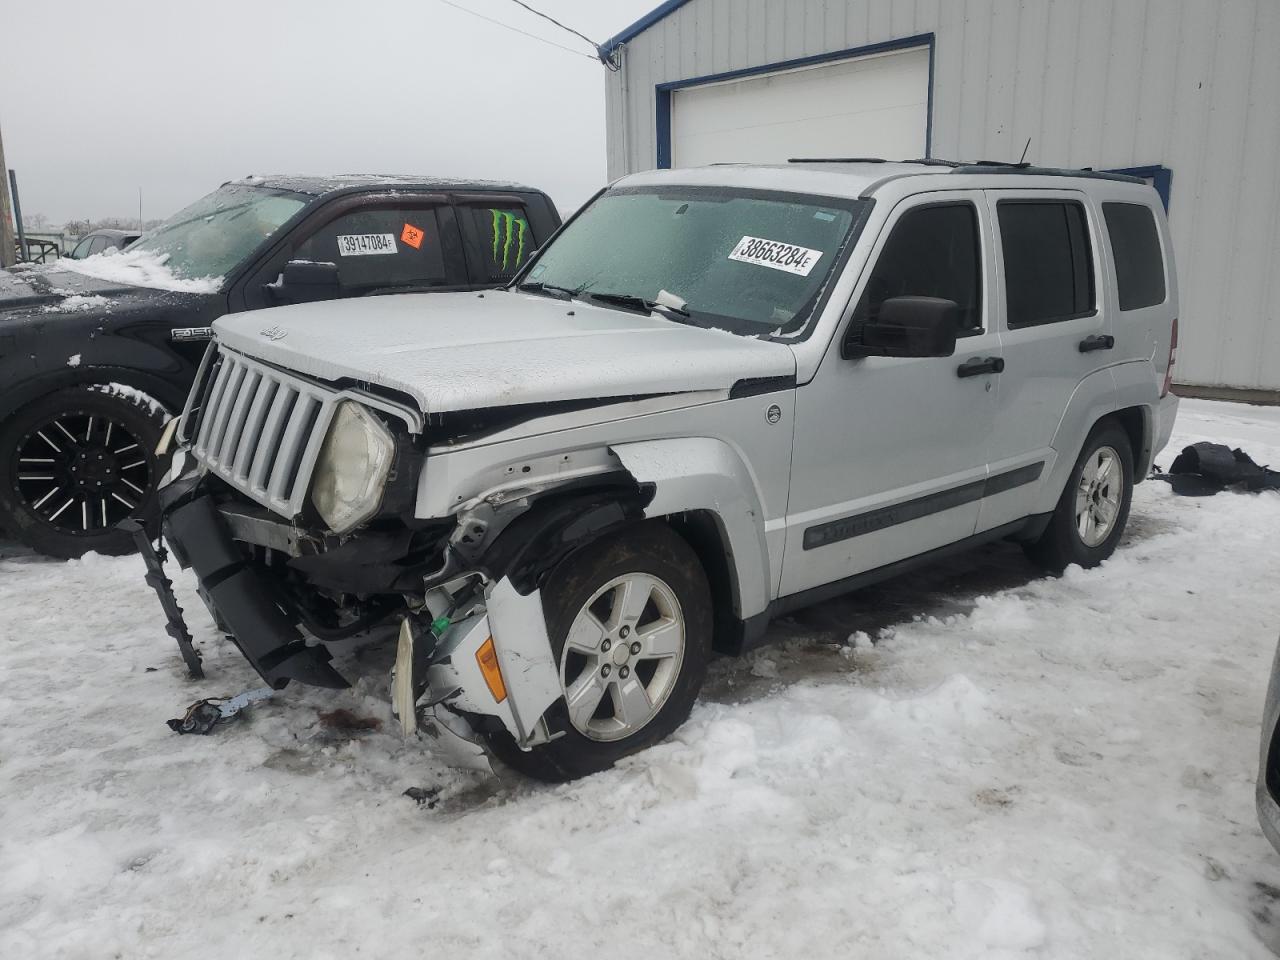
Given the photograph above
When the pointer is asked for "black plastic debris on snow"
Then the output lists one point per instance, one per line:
(204, 715)
(429, 796)
(1203, 469)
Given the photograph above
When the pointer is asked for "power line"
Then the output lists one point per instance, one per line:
(539, 13)
(507, 26)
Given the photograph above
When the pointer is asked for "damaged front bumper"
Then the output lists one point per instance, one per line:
(444, 685)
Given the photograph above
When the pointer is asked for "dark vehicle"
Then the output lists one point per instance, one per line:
(95, 354)
(100, 241)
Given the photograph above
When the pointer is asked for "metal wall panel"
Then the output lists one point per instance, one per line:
(1193, 85)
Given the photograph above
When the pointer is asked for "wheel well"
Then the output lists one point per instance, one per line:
(702, 532)
(91, 376)
(1134, 422)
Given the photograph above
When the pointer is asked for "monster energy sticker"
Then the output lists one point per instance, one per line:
(509, 231)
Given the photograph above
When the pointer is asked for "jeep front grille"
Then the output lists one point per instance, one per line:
(257, 428)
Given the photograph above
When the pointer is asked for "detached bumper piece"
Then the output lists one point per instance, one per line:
(163, 586)
(264, 633)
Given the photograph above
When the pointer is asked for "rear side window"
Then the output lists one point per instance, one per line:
(1048, 269)
(380, 247)
(503, 237)
(1135, 245)
(932, 252)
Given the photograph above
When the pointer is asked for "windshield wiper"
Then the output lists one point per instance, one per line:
(537, 286)
(630, 301)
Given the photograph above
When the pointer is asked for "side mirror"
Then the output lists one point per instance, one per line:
(907, 327)
(303, 281)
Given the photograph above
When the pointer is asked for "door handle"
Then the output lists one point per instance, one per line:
(976, 366)
(1097, 342)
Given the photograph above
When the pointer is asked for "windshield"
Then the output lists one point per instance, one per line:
(215, 233)
(747, 261)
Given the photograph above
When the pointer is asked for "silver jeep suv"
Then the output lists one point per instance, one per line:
(717, 395)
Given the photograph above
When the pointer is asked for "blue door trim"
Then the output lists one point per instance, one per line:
(662, 112)
(1161, 178)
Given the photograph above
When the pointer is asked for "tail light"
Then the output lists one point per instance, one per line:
(1173, 355)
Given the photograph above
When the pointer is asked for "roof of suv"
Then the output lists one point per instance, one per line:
(335, 183)
(856, 177)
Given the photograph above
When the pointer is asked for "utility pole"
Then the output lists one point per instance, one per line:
(8, 255)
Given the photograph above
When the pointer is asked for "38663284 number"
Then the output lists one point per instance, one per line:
(776, 255)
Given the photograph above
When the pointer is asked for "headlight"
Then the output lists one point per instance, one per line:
(352, 468)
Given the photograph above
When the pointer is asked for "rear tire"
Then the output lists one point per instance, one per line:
(1091, 514)
(638, 609)
(75, 463)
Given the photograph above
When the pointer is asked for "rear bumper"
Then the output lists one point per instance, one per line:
(1166, 412)
(238, 594)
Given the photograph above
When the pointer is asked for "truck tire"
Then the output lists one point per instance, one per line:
(630, 623)
(75, 463)
(1092, 512)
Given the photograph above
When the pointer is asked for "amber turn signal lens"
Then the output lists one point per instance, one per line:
(487, 657)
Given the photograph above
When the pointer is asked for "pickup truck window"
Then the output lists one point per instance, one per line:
(217, 232)
(380, 247)
(748, 261)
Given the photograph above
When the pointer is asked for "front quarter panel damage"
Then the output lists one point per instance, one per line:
(455, 684)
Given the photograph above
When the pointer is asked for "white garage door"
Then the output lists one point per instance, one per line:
(876, 106)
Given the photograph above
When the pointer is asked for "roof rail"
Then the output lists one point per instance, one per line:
(837, 160)
(1030, 171)
(984, 167)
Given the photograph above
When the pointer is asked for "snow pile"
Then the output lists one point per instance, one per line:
(1029, 768)
(139, 268)
(73, 360)
(77, 302)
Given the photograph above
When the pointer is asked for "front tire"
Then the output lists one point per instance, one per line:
(1091, 514)
(630, 622)
(74, 464)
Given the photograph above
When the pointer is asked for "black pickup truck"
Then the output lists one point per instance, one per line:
(96, 354)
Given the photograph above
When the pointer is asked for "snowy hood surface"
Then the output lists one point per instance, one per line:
(466, 351)
(56, 286)
(27, 286)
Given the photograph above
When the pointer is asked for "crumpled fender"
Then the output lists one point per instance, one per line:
(703, 473)
(529, 670)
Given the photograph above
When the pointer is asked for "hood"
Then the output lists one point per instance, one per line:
(467, 351)
(45, 285)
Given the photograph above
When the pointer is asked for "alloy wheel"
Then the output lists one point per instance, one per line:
(622, 656)
(1098, 496)
(81, 473)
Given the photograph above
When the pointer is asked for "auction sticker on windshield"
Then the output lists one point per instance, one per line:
(366, 244)
(775, 255)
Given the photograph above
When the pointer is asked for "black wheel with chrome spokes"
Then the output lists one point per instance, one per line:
(74, 465)
(82, 473)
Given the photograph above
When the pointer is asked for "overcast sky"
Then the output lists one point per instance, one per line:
(100, 98)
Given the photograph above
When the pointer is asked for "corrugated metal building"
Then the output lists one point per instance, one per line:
(1185, 92)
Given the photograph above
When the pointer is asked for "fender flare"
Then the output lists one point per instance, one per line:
(1093, 398)
(706, 474)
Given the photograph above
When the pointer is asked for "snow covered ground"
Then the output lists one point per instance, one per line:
(970, 762)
